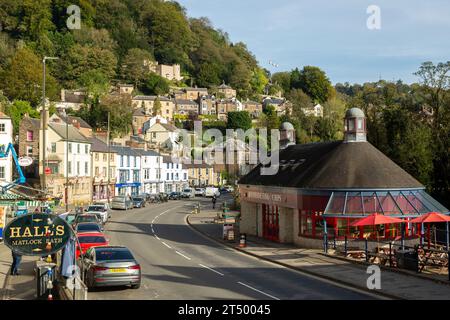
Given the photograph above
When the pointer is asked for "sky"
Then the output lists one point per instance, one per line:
(334, 34)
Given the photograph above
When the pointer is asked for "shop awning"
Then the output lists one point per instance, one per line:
(402, 203)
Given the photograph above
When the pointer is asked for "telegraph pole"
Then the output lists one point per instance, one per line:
(67, 164)
(109, 159)
(44, 124)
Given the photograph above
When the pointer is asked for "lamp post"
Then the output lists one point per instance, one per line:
(44, 122)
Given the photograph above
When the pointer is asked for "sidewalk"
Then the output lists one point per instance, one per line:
(22, 287)
(393, 284)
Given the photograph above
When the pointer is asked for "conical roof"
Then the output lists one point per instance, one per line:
(335, 165)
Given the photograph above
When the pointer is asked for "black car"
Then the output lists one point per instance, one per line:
(175, 196)
(138, 202)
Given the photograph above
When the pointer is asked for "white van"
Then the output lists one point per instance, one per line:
(211, 192)
(188, 193)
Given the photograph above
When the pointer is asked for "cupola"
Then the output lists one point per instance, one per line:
(355, 126)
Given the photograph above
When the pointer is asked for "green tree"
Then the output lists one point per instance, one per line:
(133, 67)
(155, 85)
(17, 111)
(22, 78)
(300, 101)
(314, 82)
(239, 120)
(157, 107)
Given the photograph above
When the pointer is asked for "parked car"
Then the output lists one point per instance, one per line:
(81, 218)
(88, 227)
(175, 196)
(138, 202)
(111, 266)
(122, 203)
(99, 210)
(69, 217)
(199, 192)
(188, 193)
(90, 239)
(211, 192)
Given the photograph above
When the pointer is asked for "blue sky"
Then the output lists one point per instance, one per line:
(333, 34)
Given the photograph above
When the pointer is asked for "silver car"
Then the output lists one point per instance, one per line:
(111, 266)
(122, 202)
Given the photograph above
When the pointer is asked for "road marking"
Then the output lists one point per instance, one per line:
(266, 294)
(166, 245)
(156, 236)
(186, 257)
(211, 269)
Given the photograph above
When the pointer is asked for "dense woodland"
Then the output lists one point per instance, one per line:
(409, 123)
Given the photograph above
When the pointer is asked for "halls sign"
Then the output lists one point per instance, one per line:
(37, 234)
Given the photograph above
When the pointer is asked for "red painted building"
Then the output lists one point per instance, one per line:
(324, 187)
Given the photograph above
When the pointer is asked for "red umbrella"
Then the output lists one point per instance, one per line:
(376, 219)
(431, 217)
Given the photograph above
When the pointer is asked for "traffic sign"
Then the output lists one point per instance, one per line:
(48, 171)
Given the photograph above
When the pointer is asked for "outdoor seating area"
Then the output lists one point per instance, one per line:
(427, 256)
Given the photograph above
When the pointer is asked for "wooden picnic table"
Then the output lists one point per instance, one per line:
(379, 258)
(356, 253)
(433, 257)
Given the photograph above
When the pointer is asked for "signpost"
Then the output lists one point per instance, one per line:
(37, 234)
(25, 161)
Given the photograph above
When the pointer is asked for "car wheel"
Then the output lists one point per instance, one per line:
(136, 286)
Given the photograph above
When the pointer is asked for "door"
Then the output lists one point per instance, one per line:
(271, 223)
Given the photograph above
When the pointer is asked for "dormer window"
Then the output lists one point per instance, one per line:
(2, 127)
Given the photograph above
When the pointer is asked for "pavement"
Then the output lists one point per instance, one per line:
(394, 285)
(21, 287)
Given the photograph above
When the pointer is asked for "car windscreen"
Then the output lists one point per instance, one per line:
(187, 190)
(92, 239)
(113, 254)
(119, 199)
(138, 199)
(88, 227)
(86, 219)
(96, 208)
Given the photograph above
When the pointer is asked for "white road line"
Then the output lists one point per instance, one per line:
(166, 245)
(266, 294)
(157, 237)
(211, 269)
(186, 257)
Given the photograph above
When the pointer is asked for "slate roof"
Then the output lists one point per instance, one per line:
(73, 119)
(335, 165)
(186, 101)
(151, 98)
(99, 146)
(74, 134)
(125, 151)
(140, 112)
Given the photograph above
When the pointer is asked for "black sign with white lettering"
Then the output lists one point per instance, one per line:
(37, 234)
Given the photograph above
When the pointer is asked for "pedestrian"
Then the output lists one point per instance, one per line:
(17, 258)
(214, 200)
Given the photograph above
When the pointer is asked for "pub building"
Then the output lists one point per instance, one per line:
(325, 187)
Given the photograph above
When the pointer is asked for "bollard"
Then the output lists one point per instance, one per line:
(243, 241)
(325, 243)
(345, 245)
(366, 248)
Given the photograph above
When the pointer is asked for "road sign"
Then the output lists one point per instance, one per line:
(48, 170)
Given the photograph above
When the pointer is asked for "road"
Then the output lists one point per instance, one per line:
(178, 263)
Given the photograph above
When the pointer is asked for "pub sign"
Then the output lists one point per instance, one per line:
(37, 234)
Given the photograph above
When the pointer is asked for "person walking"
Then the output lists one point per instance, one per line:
(17, 258)
(214, 200)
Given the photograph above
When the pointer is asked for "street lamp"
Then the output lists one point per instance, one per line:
(44, 122)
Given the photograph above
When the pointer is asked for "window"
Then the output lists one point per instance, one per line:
(86, 168)
(70, 148)
(168, 176)
(121, 161)
(69, 167)
(96, 171)
(105, 157)
(2, 172)
(53, 147)
(30, 135)
(154, 135)
(86, 148)
(104, 172)
(29, 150)
(78, 148)
(96, 156)
(78, 167)
(185, 176)
(2, 127)
(360, 124)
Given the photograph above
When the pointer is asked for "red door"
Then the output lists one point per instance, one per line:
(271, 223)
